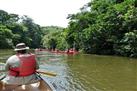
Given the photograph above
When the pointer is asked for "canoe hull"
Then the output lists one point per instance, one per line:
(38, 86)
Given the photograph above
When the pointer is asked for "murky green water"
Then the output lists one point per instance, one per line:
(87, 72)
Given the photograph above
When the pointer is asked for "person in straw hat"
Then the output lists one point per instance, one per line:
(21, 67)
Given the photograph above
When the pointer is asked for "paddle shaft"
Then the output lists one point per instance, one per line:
(47, 73)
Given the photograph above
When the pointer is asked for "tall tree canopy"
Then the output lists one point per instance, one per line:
(109, 27)
(14, 29)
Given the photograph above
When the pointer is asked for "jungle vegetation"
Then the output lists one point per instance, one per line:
(104, 27)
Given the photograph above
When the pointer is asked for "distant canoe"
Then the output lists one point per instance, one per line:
(58, 51)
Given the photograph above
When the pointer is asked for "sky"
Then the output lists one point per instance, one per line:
(44, 12)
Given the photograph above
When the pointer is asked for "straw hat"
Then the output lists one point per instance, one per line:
(21, 46)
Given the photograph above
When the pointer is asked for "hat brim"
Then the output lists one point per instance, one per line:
(26, 48)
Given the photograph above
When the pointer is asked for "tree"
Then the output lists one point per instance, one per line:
(5, 37)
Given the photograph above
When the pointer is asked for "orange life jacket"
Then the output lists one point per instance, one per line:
(27, 66)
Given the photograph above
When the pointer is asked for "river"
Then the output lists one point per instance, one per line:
(83, 72)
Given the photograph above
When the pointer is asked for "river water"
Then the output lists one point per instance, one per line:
(83, 72)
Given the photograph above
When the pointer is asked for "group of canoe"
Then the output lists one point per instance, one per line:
(69, 51)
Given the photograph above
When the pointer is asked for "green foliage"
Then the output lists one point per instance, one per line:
(61, 40)
(53, 37)
(4, 17)
(108, 28)
(128, 46)
(5, 37)
(14, 30)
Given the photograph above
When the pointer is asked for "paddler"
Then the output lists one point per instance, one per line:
(21, 67)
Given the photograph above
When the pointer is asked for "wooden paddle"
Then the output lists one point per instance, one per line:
(47, 73)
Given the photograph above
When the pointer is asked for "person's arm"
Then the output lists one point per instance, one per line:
(7, 66)
(12, 61)
(37, 64)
